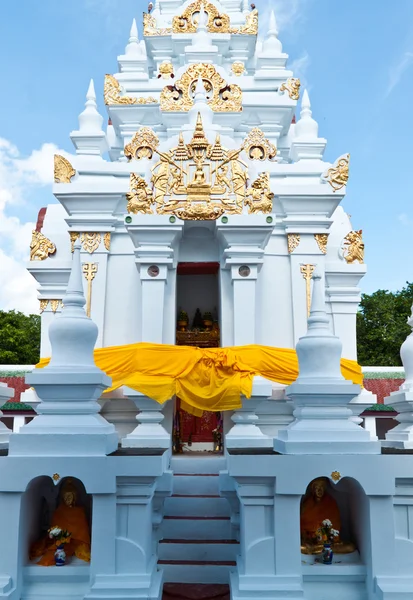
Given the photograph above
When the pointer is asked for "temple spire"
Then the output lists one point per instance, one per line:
(90, 120)
(271, 43)
(90, 139)
(306, 127)
(133, 46)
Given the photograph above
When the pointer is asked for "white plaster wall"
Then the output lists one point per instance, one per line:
(169, 326)
(226, 320)
(123, 294)
(198, 291)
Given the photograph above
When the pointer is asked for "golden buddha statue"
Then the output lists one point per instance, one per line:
(316, 507)
(72, 518)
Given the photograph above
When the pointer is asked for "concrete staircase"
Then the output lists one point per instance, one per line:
(196, 545)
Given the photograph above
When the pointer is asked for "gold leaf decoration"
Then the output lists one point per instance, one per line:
(292, 86)
(188, 21)
(63, 170)
(73, 237)
(321, 239)
(54, 305)
(112, 94)
(143, 143)
(221, 96)
(293, 241)
(335, 476)
(166, 69)
(251, 24)
(40, 246)
(150, 26)
(238, 68)
(43, 305)
(259, 195)
(106, 240)
(337, 175)
(139, 197)
(307, 272)
(258, 147)
(354, 247)
(90, 241)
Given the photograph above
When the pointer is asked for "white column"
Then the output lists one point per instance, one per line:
(5, 394)
(149, 433)
(245, 433)
(244, 292)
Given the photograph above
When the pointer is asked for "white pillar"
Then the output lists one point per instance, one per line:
(245, 433)
(149, 433)
(5, 394)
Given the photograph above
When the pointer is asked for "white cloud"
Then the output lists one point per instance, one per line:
(405, 219)
(404, 62)
(18, 177)
(299, 67)
(288, 12)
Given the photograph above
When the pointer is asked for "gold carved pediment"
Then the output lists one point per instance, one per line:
(221, 96)
(188, 21)
(199, 180)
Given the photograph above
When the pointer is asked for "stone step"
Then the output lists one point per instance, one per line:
(191, 591)
(190, 506)
(204, 550)
(196, 571)
(198, 465)
(196, 485)
(196, 528)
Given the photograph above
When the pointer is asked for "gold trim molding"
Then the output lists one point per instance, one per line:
(63, 170)
(187, 22)
(54, 305)
(321, 239)
(199, 181)
(258, 147)
(40, 246)
(143, 144)
(338, 175)
(221, 96)
(293, 241)
(292, 87)
(90, 240)
(112, 94)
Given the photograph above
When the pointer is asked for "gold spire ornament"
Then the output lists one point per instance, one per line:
(40, 246)
(307, 272)
(321, 239)
(142, 145)
(258, 147)
(293, 241)
(337, 175)
(354, 247)
(89, 271)
(292, 87)
(63, 170)
(221, 96)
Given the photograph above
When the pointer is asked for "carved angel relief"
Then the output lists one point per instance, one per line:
(199, 181)
(337, 175)
(221, 96)
(353, 247)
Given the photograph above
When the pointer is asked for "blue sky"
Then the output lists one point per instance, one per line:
(355, 57)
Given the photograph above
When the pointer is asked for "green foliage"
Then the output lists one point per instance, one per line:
(382, 326)
(19, 338)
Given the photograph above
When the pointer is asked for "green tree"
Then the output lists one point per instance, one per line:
(382, 326)
(19, 338)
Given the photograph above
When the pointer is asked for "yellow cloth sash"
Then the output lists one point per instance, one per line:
(211, 379)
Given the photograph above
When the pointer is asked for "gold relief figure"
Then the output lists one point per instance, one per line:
(337, 175)
(293, 241)
(188, 21)
(40, 246)
(222, 183)
(143, 144)
(259, 195)
(292, 87)
(177, 180)
(239, 182)
(63, 170)
(221, 96)
(139, 197)
(258, 147)
(166, 69)
(160, 180)
(354, 247)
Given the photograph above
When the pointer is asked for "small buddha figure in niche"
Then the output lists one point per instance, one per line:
(71, 517)
(317, 506)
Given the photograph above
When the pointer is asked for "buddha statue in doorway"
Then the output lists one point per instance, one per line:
(69, 516)
(317, 506)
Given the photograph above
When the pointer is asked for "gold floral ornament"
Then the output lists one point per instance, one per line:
(199, 180)
(40, 246)
(112, 94)
(337, 175)
(238, 68)
(335, 476)
(43, 305)
(143, 144)
(106, 240)
(63, 170)
(321, 239)
(73, 237)
(221, 96)
(354, 247)
(150, 26)
(259, 195)
(258, 147)
(292, 87)
(139, 197)
(293, 241)
(166, 70)
(90, 241)
(56, 478)
(188, 21)
(251, 24)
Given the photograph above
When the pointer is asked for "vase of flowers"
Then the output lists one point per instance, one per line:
(207, 320)
(60, 537)
(326, 534)
(182, 321)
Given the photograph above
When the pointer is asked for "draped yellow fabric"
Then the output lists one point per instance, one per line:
(210, 379)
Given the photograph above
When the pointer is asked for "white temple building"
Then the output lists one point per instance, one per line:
(199, 390)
